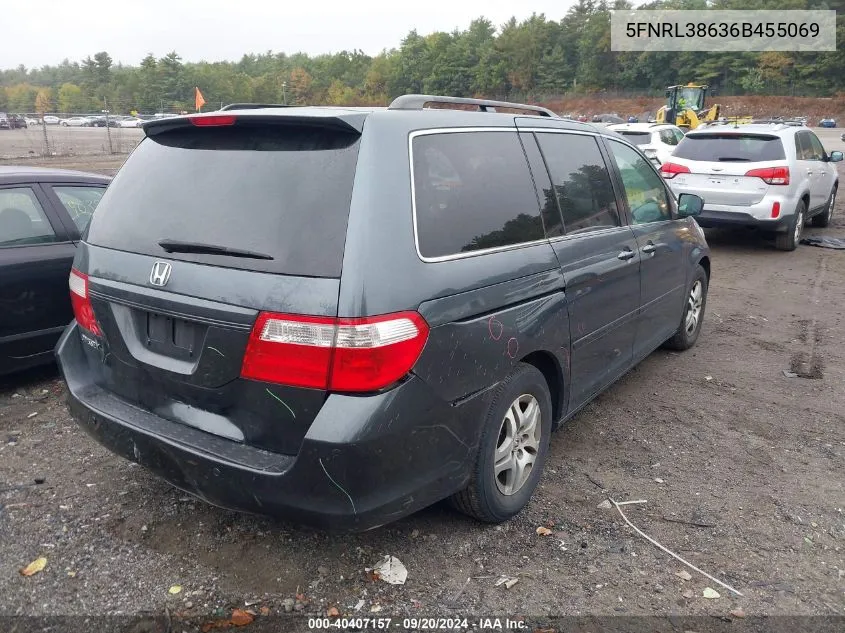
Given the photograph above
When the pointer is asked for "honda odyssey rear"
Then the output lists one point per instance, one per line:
(342, 316)
(206, 303)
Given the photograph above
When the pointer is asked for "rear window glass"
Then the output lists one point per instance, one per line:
(742, 148)
(473, 191)
(637, 138)
(278, 191)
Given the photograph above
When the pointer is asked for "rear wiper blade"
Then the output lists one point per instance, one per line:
(174, 246)
(733, 159)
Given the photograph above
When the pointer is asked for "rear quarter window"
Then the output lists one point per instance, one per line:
(472, 191)
(747, 148)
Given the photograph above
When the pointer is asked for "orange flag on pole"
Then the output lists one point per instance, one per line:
(198, 99)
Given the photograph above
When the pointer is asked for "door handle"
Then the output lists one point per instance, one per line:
(626, 254)
(809, 172)
(649, 248)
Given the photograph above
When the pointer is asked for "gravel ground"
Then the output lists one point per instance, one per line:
(740, 465)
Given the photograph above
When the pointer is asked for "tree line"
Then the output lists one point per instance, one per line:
(530, 60)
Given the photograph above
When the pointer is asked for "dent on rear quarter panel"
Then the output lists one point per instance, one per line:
(480, 335)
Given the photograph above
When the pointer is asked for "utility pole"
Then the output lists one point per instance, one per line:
(108, 127)
(46, 141)
(284, 92)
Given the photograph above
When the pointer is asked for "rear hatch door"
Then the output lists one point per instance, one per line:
(203, 228)
(719, 164)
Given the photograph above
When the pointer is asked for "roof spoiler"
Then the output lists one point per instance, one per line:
(350, 122)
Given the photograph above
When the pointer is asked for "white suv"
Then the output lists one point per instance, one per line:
(656, 140)
(772, 177)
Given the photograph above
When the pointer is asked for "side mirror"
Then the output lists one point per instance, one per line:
(689, 205)
(835, 157)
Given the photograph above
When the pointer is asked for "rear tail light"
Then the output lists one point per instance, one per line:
(363, 354)
(771, 175)
(214, 120)
(83, 311)
(670, 170)
(775, 209)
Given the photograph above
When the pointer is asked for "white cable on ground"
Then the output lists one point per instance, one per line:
(673, 554)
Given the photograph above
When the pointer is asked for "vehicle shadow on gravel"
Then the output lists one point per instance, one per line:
(28, 379)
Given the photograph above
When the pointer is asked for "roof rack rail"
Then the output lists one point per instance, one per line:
(252, 106)
(418, 102)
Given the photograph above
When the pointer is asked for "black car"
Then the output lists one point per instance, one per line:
(101, 121)
(343, 315)
(42, 213)
(17, 121)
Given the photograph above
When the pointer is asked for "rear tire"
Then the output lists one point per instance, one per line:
(693, 316)
(513, 448)
(823, 219)
(789, 240)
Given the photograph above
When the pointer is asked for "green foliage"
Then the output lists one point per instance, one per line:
(533, 59)
(71, 98)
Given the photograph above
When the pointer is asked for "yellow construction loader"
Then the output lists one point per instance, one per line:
(685, 107)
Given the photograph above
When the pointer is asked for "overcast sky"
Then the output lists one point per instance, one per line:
(46, 32)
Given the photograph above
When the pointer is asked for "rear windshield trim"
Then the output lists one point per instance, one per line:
(462, 255)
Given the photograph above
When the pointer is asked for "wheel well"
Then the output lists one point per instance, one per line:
(705, 264)
(550, 368)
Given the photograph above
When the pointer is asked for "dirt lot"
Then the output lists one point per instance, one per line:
(66, 141)
(756, 106)
(742, 468)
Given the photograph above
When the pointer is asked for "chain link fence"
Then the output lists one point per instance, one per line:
(68, 134)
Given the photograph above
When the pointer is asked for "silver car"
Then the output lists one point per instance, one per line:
(773, 177)
(656, 140)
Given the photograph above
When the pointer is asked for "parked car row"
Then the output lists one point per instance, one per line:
(12, 121)
(101, 121)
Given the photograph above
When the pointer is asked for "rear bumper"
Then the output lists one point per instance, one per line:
(364, 462)
(757, 215)
(710, 218)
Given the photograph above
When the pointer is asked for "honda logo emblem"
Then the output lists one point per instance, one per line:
(160, 274)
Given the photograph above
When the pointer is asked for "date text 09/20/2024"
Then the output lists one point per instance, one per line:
(418, 624)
